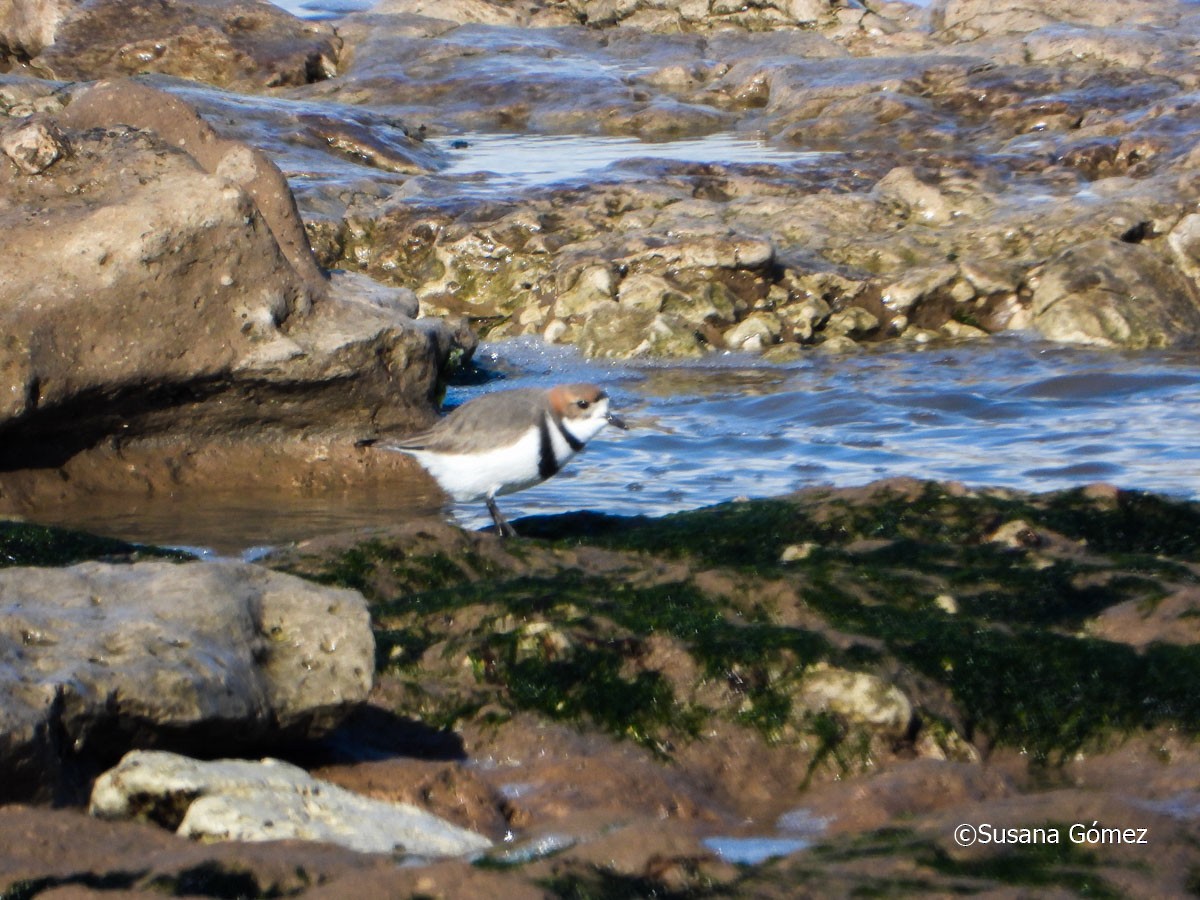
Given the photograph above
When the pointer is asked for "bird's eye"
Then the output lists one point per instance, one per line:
(582, 404)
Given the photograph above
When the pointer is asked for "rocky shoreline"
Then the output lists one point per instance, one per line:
(834, 682)
(840, 677)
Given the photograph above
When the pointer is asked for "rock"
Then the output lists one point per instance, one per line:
(962, 331)
(1184, 241)
(923, 202)
(860, 697)
(1015, 535)
(805, 316)
(239, 800)
(647, 292)
(991, 276)
(853, 321)
(797, 552)
(29, 26)
(244, 45)
(1112, 294)
(971, 19)
(622, 334)
(98, 658)
(33, 146)
(168, 238)
(588, 289)
(901, 296)
(754, 333)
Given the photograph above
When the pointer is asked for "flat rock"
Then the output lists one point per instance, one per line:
(98, 658)
(233, 799)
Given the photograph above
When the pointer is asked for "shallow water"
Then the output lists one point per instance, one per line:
(1009, 412)
(499, 163)
(1012, 412)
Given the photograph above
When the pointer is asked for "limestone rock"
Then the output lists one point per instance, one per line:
(854, 321)
(901, 295)
(240, 800)
(97, 658)
(971, 19)
(33, 146)
(1112, 294)
(622, 334)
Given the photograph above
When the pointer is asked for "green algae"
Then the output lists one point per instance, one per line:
(1018, 678)
(592, 673)
(752, 535)
(1046, 692)
(22, 544)
(1009, 656)
(381, 571)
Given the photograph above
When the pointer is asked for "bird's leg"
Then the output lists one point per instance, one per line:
(502, 527)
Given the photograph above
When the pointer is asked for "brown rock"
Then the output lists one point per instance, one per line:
(245, 45)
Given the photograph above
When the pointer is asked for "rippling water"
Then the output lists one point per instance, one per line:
(1011, 412)
(502, 162)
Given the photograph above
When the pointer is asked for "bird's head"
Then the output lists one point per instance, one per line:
(583, 409)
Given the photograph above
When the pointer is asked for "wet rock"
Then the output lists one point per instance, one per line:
(962, 331)
(635, 334)
(655, 15)
(1184, 241)
(270, 800)
(902, 295)
(806, 317)
(1110, 294)
(165, 654)
(1170, 620)
(851, 322)
(244, 45)
(922, 202)
(971, 19)
(754, 333)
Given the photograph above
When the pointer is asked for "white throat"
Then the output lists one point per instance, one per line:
(583, 430)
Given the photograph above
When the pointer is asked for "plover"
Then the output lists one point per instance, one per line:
(509, 440)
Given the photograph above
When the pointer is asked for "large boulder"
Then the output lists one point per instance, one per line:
(98, 658)
(158, 281)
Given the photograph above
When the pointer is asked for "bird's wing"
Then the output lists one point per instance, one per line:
(476, 426)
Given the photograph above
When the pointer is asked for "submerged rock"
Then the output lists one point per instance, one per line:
(98, 658)
(239, 800)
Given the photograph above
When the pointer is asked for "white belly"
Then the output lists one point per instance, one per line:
(474, 476)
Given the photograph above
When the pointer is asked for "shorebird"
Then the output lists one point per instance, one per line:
(509, 440)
